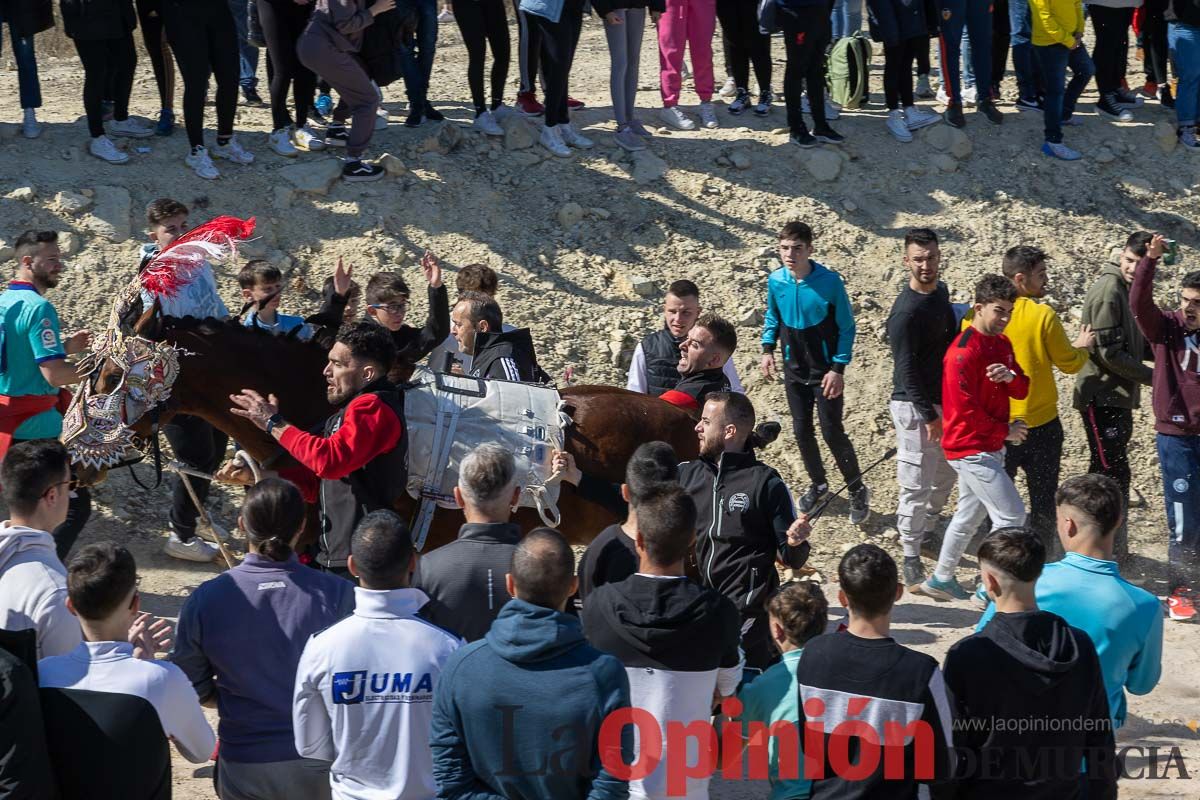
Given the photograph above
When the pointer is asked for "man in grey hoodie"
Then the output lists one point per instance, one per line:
(35, 479)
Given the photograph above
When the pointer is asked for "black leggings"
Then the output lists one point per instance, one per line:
(804, 36)
(202, 447)
(155, 39)
(483, 23)
(205, 44)
(108, 66)
(744, 43)
(921, 52)
(558, 41)
(1154, 42)
(897, 71)
(1111, 26)
(282, 24)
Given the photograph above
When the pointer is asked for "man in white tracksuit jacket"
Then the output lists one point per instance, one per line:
(364, 687)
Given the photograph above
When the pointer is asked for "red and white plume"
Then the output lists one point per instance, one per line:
(177, 264)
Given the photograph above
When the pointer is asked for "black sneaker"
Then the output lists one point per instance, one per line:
(1028, 104)
(953, 115)
(432, 114)
(1107, 106)
(815, 493)
(860, 506)
(251, 97)
(989, 110)
(914, 572)
(807, 141)
(1127, 99)
(414, 119)
(739, 103)
(361, 171)
(336, 136)
(828, 135)
(763, 107)
(1165, 97)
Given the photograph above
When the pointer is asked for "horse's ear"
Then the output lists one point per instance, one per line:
(149, 324)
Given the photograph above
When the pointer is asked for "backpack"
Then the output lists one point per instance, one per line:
(847, 71)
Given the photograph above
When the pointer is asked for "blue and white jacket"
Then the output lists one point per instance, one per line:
(813, 321)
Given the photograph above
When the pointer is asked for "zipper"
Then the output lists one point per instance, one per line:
(717, 503)
(749, 594)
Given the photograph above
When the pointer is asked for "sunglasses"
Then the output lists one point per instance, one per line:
(71, 485)
(392, 308)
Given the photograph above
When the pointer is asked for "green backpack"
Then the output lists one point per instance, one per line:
(847, 71)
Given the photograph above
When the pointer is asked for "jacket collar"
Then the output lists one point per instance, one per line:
(254, 562)
(817, 268)
(23, 286)
(389, 603)
(377, 385)
(1094, 565)
(730, 460)
(493, 532)
(88, 652)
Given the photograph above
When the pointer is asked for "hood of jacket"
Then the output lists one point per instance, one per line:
(18, 543)
(516, 343)
(655, 615)
(1043, 643)
(524, 633)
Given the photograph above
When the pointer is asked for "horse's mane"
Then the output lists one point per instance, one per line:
(234, 326)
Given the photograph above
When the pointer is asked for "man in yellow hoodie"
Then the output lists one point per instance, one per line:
(1058, 44)
(1040, 344)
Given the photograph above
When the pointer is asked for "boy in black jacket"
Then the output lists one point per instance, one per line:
(745, 519)
(861, 677)
(1028, 691)
(387, 304)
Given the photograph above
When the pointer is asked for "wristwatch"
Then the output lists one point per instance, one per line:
(274, 421)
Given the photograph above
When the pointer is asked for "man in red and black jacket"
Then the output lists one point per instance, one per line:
(702, 356)
(357, 463)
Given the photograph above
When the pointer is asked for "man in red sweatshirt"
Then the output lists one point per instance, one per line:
(980, 375)
(1174, 338)
(357, 463)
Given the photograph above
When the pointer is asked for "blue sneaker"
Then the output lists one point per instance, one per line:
(1060, 151)
(980, 598)
(942, 591)
(166, 123)
(324, 105)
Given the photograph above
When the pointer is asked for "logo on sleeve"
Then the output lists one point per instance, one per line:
(739, 502)
(49, 338)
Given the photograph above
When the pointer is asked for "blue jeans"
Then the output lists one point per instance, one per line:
(975, 17)
(1054, 60)
(846, 18)
(1179, 460)
(27, 70)
(247, 53)
(1184, 41)
(1021, 26)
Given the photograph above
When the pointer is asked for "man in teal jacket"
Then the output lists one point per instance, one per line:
(1086, 589)
(808, 313)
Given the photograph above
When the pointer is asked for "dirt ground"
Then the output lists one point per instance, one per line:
(573, 239)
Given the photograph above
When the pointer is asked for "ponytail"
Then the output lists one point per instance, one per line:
(272, 514)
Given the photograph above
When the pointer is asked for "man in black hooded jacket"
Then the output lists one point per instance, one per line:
(477, 323)
(746, 519)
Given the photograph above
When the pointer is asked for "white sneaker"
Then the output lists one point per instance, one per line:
(30, 127)
(676, 119)
(381, 119)
(942, 97)
(130, 127)
(970, 95)
(486, 124)
(626, 139)
(201, 164)
(233, 152)
(551, 139)
(916, 118)
(305, 139)
(832, 110)
(281, 142)
(897, 126)
(708, 115)
(729, 90)
(194, 549)
(103, 148)
(573, 138)
(502, 112)
(685, 72)
(446, 15)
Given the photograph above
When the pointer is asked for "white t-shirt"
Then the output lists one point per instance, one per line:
(33, 590)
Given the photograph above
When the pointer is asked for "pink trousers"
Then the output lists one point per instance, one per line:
(690, 24)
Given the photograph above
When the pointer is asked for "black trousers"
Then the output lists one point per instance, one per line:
(202, 447)
(484, 23)
(805, 34)
(897, 70)
(79, 510)
(529, 51)
(282, 24)
(1040, 457)
(154, 37)
(205, 43)
(108, 66)
(921, 50)
(558, 40)
(744, 43)
(1001, 35)
(1111, 51)
(1108, 433)
(1155, 53)
(802, 398)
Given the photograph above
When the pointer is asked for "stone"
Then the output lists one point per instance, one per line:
(570, 214)
(824, 165)
(600, 213)
(72, 202)
(445, 139)
(943, 162)
(1103, 155)
(948, 140)
(1137, 185)
(312, 177)
(740, 159)
(849, 205)
(109, 218)
(25, 194)
(751, 318)
(723, 161)
(518, 133)
(392, 165)
(6, 251)
(913, 168)
(647, 167)
(69, 243)
(643, 286)
(524, 158)
(1165, 137)
(282, 197)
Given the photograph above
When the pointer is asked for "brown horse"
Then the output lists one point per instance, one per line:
(224, 357)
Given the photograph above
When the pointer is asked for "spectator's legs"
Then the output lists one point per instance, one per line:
(701, 25)
(495, 26)
(925, 478)
(984, 490)
(1082, 71)
(247, 53)
(1179, 459)
(1053, 60)
(223, 56)
(1020, 27)
(202, 447)
(672, 38)
(736, 48)
(758, 44)
(829, 413)
(950, 37)
(1000, 44)
(154, 37)
(1108, 433)
(1184, 42)
(1041, 457)
(801, 398)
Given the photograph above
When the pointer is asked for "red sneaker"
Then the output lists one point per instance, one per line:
(528, 105)
(1150, 90)
(1180, 605)
(572, 103)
